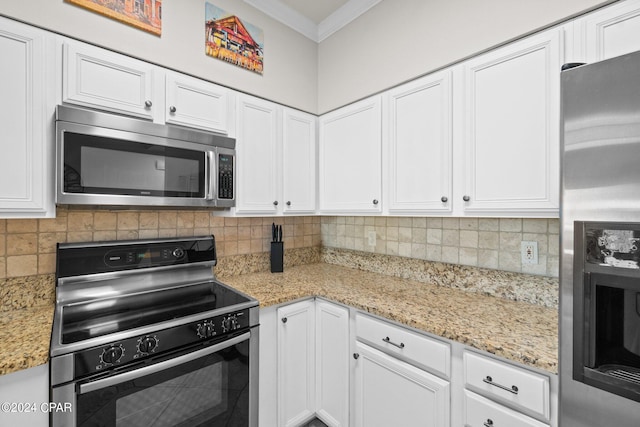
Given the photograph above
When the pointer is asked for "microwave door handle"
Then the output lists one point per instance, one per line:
(211, 177)
(158, 367)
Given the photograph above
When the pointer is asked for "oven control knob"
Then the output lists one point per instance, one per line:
(147, 344)
(206, 330)
(230, 323)
(178, 253)
(113, 354)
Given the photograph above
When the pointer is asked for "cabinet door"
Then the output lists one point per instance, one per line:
(419, 152)
(106, 80)
(257, 156)
(389, 392)
(195, 103)
(511, 143)
(350, 158)
(299, 162)
(27, 387)
(26, 79)
(332, 364)
(296, 363)
(611, 31)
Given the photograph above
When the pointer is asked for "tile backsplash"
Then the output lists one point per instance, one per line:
(28, 246)
(480, 242)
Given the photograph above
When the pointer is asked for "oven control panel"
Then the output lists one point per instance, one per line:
(138, 347)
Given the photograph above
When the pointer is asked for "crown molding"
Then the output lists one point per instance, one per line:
(300, 23)
(283, 13)
(343, 16)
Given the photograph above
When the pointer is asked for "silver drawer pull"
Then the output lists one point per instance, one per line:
(488, 423)
(388, 341)
(513, 389)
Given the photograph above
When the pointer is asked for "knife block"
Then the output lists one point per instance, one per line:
(277, 257)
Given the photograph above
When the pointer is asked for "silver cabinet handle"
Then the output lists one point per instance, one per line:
(148, 103)
(284, 320)
(488, 423)
(388, 341)
(173, 109)
(513, 389)
(356, 356)
(466, 198)
(444, 199)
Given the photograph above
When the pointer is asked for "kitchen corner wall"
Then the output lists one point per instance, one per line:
(28, 246)
(480, 242)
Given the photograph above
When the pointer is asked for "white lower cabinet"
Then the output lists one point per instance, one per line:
(332, 363)
(390, 392)
(346, 367)
(499, 394)
(481, 412)
(296, 363)
(25, 396)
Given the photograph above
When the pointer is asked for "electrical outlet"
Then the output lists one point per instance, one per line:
(529, 252)
(372, 238)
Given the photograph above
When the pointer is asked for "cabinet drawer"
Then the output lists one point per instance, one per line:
(429, 353)
(523, 389)
(481, 412)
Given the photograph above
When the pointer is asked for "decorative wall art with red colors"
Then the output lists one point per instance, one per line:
(143, 14)
(233, 40)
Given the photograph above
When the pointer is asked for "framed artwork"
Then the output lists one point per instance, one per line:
(143, 14)
(233, 40)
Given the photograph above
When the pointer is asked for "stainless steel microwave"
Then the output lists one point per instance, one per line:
(106, 159)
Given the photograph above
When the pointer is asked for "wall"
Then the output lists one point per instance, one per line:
(28, 246)
(480, 242)
(290, 74)
(402, 39)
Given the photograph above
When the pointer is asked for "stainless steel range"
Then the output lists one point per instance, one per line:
(143, 334)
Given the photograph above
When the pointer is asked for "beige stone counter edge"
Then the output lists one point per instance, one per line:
(533, 345)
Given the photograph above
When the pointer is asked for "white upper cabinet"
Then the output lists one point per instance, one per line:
(257, 156)
(610, 32)
(510, 117)
(195, 103)
(418, 116)
(350, 175)
(27, 82)
(298, 162)
(99, 78)
(276, 157)
(105, 80)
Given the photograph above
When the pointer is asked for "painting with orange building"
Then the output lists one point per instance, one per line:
(230, 39)
(143, 14)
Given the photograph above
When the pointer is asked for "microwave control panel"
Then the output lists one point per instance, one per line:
(225, 176)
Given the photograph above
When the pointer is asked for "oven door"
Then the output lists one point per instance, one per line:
(211, 386)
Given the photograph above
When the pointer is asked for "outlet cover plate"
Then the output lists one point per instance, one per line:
(529, 252)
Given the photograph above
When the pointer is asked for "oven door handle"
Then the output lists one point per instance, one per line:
(152, 369)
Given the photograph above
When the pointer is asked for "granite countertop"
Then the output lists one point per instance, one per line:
(518, 331)
(25, 335)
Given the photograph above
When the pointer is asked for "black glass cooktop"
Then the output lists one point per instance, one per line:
(82, 321)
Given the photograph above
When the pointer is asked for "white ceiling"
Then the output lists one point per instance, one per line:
(315, 19)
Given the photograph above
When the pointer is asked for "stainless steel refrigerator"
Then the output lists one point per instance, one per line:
(600, 244)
